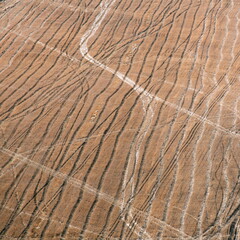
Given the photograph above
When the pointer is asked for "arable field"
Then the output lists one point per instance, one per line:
(120, 119)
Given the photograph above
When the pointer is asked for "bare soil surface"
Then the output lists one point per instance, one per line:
(120, 119)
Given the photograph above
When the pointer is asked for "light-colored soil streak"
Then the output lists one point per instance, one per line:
(130, 174)
(119, 119)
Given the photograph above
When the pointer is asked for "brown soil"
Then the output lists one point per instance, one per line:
(119, 119)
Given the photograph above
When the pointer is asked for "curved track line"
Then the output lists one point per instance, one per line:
(138, 89)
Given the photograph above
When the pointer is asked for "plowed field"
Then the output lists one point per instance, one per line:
(120, 119)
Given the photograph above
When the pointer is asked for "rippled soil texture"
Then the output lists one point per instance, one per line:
(120, 119)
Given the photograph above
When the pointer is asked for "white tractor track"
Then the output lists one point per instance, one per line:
(147, 99)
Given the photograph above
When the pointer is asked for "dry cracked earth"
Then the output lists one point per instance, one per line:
(120, 119)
